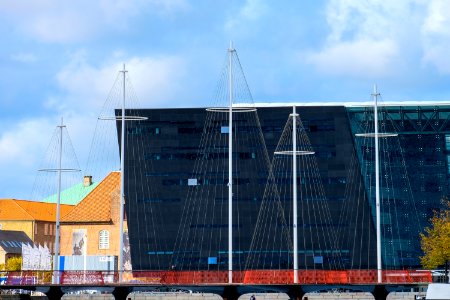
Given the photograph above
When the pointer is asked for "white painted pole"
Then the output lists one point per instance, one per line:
(377, 185)
(58, 208)
(122, 180)
(230, 166)
(84, 260)
(294, 191)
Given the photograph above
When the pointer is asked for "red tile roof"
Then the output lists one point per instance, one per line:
(24, 210)
(96, 206)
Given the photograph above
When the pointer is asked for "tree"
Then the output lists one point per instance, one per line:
(435, 241)
(14, 264)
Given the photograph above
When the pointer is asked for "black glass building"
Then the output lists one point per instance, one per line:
(162, 154)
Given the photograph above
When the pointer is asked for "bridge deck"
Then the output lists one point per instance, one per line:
(250, 277)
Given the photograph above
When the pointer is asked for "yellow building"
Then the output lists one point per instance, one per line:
(11, 244)
(36, 219)
(92, 227)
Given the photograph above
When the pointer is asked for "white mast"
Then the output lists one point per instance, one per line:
(230, 165)
(377, 184)
(59, 170)
(294, 191)
(58, 208)
(122, 178)
(376, 135)
(123, 119)
(294, 152)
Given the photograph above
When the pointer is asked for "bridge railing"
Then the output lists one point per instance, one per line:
(216, 277)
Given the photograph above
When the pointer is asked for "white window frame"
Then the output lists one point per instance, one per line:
(103, 239)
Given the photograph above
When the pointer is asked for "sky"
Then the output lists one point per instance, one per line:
(59, 58)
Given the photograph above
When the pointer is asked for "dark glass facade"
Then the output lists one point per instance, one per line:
(162, 155)
(413, 171)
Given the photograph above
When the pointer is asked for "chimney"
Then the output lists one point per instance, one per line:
(87, 180)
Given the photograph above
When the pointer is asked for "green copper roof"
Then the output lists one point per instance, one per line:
(72, 195)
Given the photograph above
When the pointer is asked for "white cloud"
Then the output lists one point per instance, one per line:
(86, 87)
(361, 57)
(83, 89)
(86, 90)
(436, 35)
(251, 11)
(156, 79)
(25, 145)
(20, 144)
(24, 57)
(72, 21)
(366, 38)
(169, 7)
(438, 18)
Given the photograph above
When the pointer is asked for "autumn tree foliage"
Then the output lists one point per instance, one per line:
(435, 241)
(14, 264)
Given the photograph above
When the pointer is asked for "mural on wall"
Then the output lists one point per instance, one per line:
(126, 252)
(79, 242)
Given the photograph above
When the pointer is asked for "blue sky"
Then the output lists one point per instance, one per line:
(59, 58)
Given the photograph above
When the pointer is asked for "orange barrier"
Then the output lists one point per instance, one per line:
(194, 277)
(402, 276)
(335, 277)
(268, 277)
(362, 276)
(175, 277)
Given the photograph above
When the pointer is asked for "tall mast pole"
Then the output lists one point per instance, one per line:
(230, 165)
(58, 208)
(122, 179)
(377, 184)
(294, 191)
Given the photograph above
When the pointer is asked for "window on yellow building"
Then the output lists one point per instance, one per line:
(103, 239)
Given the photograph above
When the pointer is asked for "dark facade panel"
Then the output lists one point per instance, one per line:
(413, 171)
(161, 156)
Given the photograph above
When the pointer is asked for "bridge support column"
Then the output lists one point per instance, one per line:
(121, 292)
(296, 292)
(380, 292)
(230, 292)
(54, 292)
